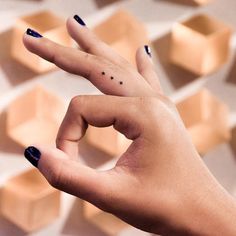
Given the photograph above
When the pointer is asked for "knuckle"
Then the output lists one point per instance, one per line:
(77, 102)
(73, 102)
(147, 104)
(147, 107)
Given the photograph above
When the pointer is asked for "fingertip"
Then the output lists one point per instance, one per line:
(143, 56)
(139, 54)
(75, 21)
(30, 39)
(38, 155)
(26, 39)
(33, 155)
(148, 51)
(74, 25)
(139, 51)
(70, 22)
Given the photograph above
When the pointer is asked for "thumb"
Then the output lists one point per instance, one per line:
(70, 176)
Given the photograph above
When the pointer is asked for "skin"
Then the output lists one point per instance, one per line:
(160, 184)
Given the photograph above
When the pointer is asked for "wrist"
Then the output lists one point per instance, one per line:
(213, 213)
(201, 208)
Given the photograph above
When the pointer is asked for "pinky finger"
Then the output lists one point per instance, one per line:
(146, 68)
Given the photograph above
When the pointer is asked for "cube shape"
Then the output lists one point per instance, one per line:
(124, 33)
(35, 117)
(108, 223)
(29, 201)
(200, 44)
(47, 24)
(206, 119)
(107, 140)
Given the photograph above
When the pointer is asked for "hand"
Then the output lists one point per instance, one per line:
(160, 184)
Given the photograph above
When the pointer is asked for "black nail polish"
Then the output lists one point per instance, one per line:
(33, 33)
(79, 20)
(148, 50)
(33, 155)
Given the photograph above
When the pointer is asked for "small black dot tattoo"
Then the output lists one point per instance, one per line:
(121, 82)
(112, 77)
(103, 73)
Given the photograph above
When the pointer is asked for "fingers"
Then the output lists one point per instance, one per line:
(89, 42)
(106, 76)
(72, 177)
(146, 68)
(100, 111)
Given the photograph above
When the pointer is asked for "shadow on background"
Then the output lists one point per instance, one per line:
(233, 141)
(183, 2)
(6, 143)
(77, 225)
(92, 156)
(9, 229)
(231, 78)
(102, 3)
(15, 72)
(178, 77)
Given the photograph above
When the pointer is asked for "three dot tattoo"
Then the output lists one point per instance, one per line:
(112, 78)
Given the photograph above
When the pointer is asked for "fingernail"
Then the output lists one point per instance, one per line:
(33, 33)
(79, 20)
(32, 154)
(148, 50)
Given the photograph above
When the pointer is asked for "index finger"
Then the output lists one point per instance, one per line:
(109, 78)
(99, 111)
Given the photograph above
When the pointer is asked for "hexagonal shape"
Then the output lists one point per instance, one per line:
(207, 120)
(107, 140)
(47, 24)
(35, 117)
(200, 44)
(29, 201)
(108, 223)
(124, 33)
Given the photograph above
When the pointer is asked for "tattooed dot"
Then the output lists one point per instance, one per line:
(121, 82)
(103, 73)
(112, 77)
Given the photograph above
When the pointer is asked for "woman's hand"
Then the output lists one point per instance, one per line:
(160, 183)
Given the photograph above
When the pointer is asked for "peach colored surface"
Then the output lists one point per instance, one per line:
(48, 24)
(200, 44)
(205, 116)
(35, 117)
(29, 201)
(123, 32)
(158, 17)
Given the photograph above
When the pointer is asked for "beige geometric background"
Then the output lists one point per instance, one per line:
(158, 16)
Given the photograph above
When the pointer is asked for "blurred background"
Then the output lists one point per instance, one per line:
(193, 44)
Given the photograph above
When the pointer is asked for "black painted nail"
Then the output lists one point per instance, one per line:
(33, 33)
(148, 50)
(33, 155)
(79, 20)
